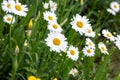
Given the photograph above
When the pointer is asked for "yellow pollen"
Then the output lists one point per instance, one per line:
(108, 35)
(74, 72)
(56, 41)
(79, 24)
(89, 51)
(89, 31)
(55, 26)
(72, 52)
(52, 6)
(102, 48)
(8, 6)
(50, 17)
(9, 19)
(115, 6)
(18, 7)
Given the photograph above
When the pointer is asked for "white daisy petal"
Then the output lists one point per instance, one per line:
(50, 16)
(19, 9)
(73, 53)
(102, 48)
(53, 6)
(73, 71)
(9, 19)
(56, 41)
(111, 11)
(117, 41)
(54, 27)
(89, 32)
(115, 6)
(90, 43)
(80, 23)
(88, 51)
(108, 35)
(6, 5)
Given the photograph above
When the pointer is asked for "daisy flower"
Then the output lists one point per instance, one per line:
(117, 41)
(56, 41)
(108, 35)
(53, 6)
(80, 23)
(111, 11)
(90, 43)
(19, 9)
(73, 71)
(89, 32)
(6, 5)
(45, 5)
(50, 16)
(54, 27)
(9, 19)
(115, 6)
(102, 48)
(73, 53)
(88, 51)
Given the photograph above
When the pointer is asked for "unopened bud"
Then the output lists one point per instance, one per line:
(25, 43)
(81, 2)
(45, 5)
(55, 79)
(29, 32)
(16, 49)
(30, 24)
(99, 34)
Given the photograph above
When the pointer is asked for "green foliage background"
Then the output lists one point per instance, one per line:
(36, 59)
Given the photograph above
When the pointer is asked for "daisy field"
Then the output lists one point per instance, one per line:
(59, 40)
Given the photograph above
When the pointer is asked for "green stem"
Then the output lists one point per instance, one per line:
(10, 35)
(14, 68)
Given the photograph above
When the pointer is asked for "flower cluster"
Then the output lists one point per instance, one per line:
(58, 42)
(12, 8)
(115, 39)
(114, 8)
(52, 5)
(82, 25)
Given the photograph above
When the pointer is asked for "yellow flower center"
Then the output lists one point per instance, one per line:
(56, 41)
(79, 24)
(88, 51)
(72, 52)
(102, 48)
(18, 7)
(108, 35)
(52, 6)
(89, 31)
(115, 6)
(55, 26)
(74, 72)
(9, 19)
(50, 17)
(8, 6)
